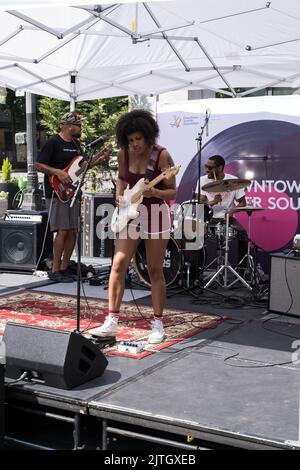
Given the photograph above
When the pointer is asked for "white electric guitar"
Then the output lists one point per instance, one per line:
(133, 197)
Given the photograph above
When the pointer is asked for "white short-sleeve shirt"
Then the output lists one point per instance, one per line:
(228, 197)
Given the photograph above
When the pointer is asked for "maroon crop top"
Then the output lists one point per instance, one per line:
(133, 178)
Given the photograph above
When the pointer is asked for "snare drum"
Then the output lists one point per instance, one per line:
(171, 267)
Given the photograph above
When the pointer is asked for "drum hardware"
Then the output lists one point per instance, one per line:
(219, 186)
(190, 272)
(226, 266)
(250, 271)
(296, 245)
(218, 232)
(218, 260)
(189, 227)
(190, 221)
(133, 280)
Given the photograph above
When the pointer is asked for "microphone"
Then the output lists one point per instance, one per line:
(98, 141)
(207, 116)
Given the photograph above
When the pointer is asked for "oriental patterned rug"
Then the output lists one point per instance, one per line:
(57, 311)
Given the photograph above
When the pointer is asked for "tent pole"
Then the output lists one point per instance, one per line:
(32, 196)
(73, 91)
(72, 104)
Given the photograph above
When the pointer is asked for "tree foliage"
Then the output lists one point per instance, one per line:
(99, 116)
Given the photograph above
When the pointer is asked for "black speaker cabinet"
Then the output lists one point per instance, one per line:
(59, 359)
(285, 284)
(97, 238)
(21, 244)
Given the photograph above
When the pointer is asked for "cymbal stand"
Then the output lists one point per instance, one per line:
(250, 268)
(226, 266)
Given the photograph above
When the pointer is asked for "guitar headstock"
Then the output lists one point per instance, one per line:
(171, 171)
(105, 152)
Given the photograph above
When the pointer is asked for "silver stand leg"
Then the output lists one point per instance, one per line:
(226, 266)
(250, 266)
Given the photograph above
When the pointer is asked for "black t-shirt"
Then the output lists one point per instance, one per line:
(57, 153)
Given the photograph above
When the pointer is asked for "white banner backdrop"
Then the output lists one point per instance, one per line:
(181, 122)
(259, 139)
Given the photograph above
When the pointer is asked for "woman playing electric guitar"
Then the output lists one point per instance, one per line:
(140, 158)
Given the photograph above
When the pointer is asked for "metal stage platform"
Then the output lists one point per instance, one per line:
(235, 386)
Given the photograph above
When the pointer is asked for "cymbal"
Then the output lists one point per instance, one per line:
(247, 208)
(220, 186)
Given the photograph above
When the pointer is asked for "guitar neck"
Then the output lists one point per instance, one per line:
(149, 186)
(156, 180)
(82, 168)
(97, 159)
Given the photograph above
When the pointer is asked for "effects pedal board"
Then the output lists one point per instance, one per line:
(130, 347)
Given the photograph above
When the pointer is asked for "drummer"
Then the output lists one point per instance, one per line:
(224, 201)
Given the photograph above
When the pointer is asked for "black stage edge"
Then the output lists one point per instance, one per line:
(2, 403)
(189, 396)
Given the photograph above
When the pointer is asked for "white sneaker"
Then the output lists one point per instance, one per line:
(158, 333)
(109, 327)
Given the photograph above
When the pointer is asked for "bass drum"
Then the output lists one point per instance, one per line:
(172, 263)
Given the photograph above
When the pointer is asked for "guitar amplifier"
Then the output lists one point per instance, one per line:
(97, 237)
(25, 216)
(25, 240)
(285, 284)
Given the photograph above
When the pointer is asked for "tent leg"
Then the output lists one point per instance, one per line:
(73, 91)
(32, 196)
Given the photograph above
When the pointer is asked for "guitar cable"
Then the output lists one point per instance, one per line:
(45, 235)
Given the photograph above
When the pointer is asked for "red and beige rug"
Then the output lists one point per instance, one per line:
(57, 311)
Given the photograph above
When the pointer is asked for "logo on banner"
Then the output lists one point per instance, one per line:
(176, 121)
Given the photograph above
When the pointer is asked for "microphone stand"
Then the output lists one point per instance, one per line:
(107, 275)
(190, 288)
(77, 196)
(199, 153)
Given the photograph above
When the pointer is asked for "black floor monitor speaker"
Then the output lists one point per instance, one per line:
(21, 243)
(285, 284)
(60, 359)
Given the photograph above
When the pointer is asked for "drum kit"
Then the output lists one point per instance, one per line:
(191, 263)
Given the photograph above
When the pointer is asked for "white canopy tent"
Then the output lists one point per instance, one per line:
(80, 52)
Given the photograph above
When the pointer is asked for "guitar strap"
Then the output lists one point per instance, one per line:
(149, 175)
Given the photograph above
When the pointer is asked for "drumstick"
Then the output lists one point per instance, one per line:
(216, 180)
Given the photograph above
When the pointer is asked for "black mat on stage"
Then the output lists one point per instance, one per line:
(201, 389)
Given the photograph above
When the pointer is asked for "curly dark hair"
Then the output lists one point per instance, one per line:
(138, 120)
